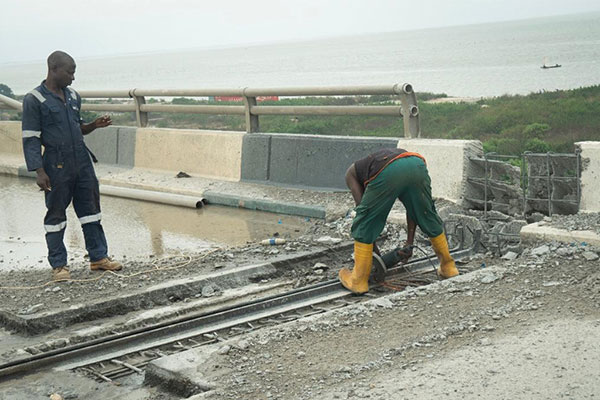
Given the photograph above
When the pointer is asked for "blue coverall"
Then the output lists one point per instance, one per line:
(56, 125)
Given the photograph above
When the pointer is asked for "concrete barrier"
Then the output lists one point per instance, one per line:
(447, 162)
(212, 154)
(590, 176)
(313, 161)
(11, 141)
(113, 145)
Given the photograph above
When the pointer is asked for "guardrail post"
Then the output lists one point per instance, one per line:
(410, 110)
(141, 117)
(251, 119)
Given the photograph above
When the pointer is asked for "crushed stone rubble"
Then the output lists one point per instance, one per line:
(273, 356)
(575, 222)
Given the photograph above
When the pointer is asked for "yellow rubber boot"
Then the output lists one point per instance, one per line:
(447, 267)
(357, 281)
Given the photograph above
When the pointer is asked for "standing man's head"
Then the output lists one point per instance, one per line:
(61, 69)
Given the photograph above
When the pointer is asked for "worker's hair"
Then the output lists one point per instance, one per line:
(59, 59)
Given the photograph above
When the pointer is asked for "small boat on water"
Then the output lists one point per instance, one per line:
(550, 66)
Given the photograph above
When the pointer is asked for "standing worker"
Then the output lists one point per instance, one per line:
(375, 182)
(65, 171)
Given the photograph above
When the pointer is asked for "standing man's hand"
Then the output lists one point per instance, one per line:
(102, 122)
(43, 180)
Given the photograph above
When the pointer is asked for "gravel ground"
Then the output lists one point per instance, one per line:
(523, 325)
(525, 328)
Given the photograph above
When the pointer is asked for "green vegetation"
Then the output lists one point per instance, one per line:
(6, 91)
(538, 122)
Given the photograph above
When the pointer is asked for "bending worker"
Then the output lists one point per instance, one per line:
(375, 182)
(65, 171)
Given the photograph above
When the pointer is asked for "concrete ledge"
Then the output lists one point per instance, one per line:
(536, 232)
(12, 164)
(590, 176)
(212, 154)
(302, 210)
(447, 162)
(151, 297)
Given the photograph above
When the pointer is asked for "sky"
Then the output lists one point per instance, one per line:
(32, 29)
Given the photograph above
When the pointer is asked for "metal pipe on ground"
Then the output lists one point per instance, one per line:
(152, 196)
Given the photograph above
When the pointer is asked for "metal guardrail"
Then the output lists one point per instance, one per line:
(408, 109)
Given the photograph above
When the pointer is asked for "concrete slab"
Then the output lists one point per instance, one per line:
(126, 146)
(256, 157)
(538, 232)
(318, 161)
(211, 154)
(103, 143)
(181, 373)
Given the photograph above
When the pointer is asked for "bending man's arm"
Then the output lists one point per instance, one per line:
(355, 186)
(411, 226)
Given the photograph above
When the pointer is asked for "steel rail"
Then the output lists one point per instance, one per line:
(117, 345)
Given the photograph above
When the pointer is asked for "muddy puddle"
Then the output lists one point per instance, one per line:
(133, 228)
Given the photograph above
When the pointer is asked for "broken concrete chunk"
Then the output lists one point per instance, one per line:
(328, 240)
(489, 278)
(320, 266)
(565, 251)
(383, 302)
(511, 255)
(538, 251)
(590, 255)
(32, 309)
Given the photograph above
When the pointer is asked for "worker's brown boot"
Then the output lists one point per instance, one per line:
(61, 274)
(105, 264)
(447, 267)
(357, 281)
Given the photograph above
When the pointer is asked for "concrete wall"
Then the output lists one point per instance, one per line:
(215, 154)
(305, 160)
(590, 176)
(447, 162)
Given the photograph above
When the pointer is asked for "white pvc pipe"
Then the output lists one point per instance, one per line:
(155, 197)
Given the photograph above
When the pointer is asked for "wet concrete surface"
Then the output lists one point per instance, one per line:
(133, 228)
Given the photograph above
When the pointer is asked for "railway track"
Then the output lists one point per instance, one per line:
(124, 353)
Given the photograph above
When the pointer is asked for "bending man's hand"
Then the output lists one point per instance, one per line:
(405, 252)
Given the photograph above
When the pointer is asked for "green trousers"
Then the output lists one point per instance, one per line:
(407, 180)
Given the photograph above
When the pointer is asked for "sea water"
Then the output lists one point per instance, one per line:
(473, 61)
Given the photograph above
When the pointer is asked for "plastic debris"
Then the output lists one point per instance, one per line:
(273, 241)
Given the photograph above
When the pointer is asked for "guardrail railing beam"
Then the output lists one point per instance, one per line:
(408, 109)
(251, 118)
(141, 117)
